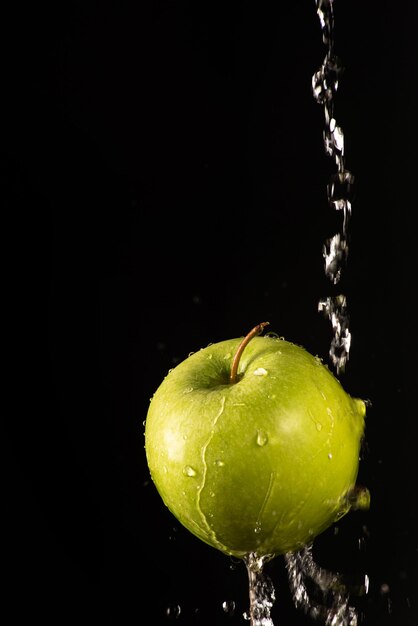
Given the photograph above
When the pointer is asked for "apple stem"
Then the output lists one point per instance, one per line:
(257, 330)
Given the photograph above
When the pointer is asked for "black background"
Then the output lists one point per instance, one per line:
(166, 183)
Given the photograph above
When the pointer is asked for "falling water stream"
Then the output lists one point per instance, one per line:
(339, 190)
(261, 591)
(319, 593)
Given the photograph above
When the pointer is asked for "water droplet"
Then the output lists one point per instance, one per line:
(189, 471)
(165, 470)
(365, 530)
(257, 528)
(262, 438)
(260, 371)
(227, 356)
(235, 563)
(330, 455)
(229, 607)
(173, 537)
(335, 252)
(318, 426)
(219, 463)
(343, 510)
(340, 187)
(212, 494)
(210, 356)
(173, 611)
(384, 588)
(188, 390)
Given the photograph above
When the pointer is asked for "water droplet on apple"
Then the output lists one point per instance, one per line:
(257, 528)
(229, 607)
(165, 470)
(219, 463)
(260, 371)
(318, 426)
(227, 356)
(212, 494)
(173, 611)
(330, 455)
(262, 438)
(341, 512)
(189, 471)
(185, 437)
(188, 390)
(210, 356)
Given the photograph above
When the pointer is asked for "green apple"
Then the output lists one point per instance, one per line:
(253, 445)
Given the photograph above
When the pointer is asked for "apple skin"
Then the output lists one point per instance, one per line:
(262, 465)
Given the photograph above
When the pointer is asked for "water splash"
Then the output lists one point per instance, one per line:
(173, 611)
(319, 593)
(340, 188)
(336, 310)
(228, 606)
(261, 591)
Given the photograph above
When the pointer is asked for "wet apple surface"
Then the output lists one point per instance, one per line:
(262, 461)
